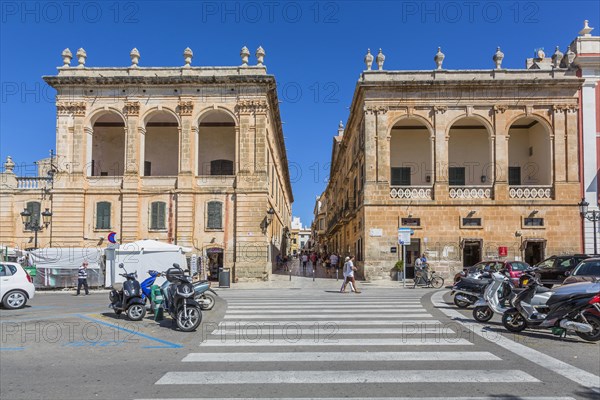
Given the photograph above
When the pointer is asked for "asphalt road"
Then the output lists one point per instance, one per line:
(287, 343)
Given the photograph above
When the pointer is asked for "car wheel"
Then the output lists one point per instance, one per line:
(14, 299)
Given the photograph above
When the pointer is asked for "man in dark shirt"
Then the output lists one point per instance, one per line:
(82, 278)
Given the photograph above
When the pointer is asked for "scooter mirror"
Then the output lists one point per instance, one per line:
(122, 266)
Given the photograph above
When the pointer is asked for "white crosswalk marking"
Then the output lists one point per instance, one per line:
(273, 342)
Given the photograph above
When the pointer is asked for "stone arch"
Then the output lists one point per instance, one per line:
(105, 142)
(470, 152)
(411, 152)
(148, 114)
(530, 155)
(541, 119)
(417, 117)
(201, 114)
(160, 142)
(217, 142)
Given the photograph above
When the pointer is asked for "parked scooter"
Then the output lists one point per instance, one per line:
(496, 295)
(178, 294)
(203, 294)
(564, 309)
(467, 291)
(127, 297)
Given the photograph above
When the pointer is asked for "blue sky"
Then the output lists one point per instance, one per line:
(314, 49)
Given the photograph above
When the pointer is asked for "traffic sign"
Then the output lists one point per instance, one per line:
(111, 237)
(404, 236)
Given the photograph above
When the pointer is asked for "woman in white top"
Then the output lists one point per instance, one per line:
(349, 269)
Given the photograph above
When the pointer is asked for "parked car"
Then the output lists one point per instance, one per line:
(16, 286)
(587, 270)
(554, 270)
(514, 268)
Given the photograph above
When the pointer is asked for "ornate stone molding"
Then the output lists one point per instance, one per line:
(132, 108)
(528, 110)
(440, 109)
(249, 106)
(186, 108)
(76, 108)
(376, 109)
(565, 107)
(500, 108)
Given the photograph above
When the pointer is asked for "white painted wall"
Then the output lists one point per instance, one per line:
(215, 143)
(108, 150)
(412, 148)
(161, 148)
(470, 148)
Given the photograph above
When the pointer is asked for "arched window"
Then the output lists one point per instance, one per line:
(158, 215)
(34, 208)
(103, 215)
(214, 215)
(216, 144)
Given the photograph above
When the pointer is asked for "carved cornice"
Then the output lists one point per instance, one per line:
(376, 109)
(440, 109)
(565, 107)
(186, 108)
(132, 108)
(252, 106)
(76, 108)
(500, 108)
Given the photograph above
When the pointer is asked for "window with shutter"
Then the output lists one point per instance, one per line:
(456, 176)
(103, 215)
(158, 215)
(34, 208)
(214, 215)
(514, 176)
(401, 176)
(221, 167)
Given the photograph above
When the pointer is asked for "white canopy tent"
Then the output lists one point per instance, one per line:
(143, 256)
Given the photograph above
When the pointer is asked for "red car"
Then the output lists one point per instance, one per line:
(514, 268)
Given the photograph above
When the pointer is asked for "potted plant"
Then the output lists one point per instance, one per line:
(399, 268)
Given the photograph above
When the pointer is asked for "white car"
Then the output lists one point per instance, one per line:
(16, 286)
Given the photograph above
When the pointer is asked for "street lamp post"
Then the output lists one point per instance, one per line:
(593, 216)
(34, 224)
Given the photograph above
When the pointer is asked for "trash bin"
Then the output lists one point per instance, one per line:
(225, 277)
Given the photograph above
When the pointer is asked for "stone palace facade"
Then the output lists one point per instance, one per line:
(188, 155)
(478, 163)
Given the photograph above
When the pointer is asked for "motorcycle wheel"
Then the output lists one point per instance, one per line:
(437, 282)
(190, 320)
(136, 312)
(513, 320)
(461, 303)
(594, 336)
(482, 313)
(211, 302)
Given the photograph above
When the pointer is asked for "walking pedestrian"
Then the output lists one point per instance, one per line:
(349, 269)
(333, 261)
(82, 278)
(304, 262)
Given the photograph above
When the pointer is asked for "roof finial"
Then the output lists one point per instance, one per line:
(557, 58)
(498, 57)
(244, 54)
(135, 57)
(439, 58)
(188, 54)
(260, 56)
(380, 59)
(369, 59)
(67, 56)
(81, 57)
(586, 29)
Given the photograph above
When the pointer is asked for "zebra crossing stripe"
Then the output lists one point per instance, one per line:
(341, 356)
(329, 316)
(341, 377)
(232, 325)
(345, 310)
(292, 340)
(328, 330)
(321, 305)
(377, 398)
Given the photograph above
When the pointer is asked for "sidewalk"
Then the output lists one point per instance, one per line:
(281, 280)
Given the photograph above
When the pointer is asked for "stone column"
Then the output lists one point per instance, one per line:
(9, 218)
(560, 160)
(184, 203)
(383, 146)
(500, 158)
(370, 145)
(571, 146)
(187, 142)
(130, 207)
(440, 120)
(132, 141)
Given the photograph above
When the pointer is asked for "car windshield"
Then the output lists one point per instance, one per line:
(519, 266)
(546, 264)
(588, 268)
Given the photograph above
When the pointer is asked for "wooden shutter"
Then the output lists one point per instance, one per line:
(157, 215)
(103, 215)
(214, 217)
(456, 176)
(400, 176)
(34, 208)
(514, 176)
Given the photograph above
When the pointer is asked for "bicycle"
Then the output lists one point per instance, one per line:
(429, 279)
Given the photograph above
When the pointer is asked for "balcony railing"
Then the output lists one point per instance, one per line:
(33, 182)
(411, 192)
(531, 192)
(471, 192)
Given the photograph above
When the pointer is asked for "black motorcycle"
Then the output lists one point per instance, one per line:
(573, 307)
(178, 294)
(467, 291)
(127, 296)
